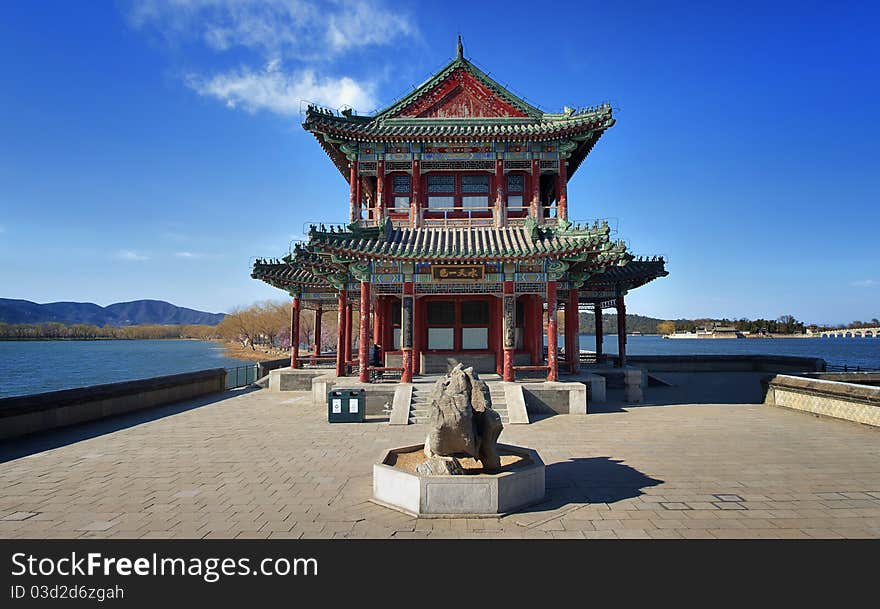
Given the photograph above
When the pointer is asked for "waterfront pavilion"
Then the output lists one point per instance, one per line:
(458, 243)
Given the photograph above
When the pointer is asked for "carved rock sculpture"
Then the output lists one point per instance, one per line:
(440, 466)
(462, 420)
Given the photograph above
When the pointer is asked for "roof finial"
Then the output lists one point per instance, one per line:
(459, 49)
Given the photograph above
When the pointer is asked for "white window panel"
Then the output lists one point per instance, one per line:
(401, 202)
(514, 200)
(475, 338)
(441, 338)
(475, 201)
(519, 338)
(441, 202)
(395, 339)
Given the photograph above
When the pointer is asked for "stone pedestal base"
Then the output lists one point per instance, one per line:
(463, 496)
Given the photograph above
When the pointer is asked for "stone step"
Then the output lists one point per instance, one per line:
(420, 404)
(424, 420)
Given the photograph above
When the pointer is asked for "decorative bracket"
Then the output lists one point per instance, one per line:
(577, 280)
(360, 270)
(556, 269)
(349, 151)
(566, 148)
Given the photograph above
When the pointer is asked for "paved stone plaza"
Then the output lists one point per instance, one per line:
(256, 464)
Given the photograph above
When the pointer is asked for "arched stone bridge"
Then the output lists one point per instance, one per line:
(852, 333)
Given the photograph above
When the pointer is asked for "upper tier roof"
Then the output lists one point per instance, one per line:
(460, 103)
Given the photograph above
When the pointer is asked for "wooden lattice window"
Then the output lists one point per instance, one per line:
(441, 191)
(401, 188)
(516, 186)
(475, 191)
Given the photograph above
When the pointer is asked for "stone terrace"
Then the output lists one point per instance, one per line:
(260, 465)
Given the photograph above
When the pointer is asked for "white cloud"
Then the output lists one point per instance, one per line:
(289, 28)
(865, 283)
(364, 23)
(295, 39)
(131, 256)
(282, 93)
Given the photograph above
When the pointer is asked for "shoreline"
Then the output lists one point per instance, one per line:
(97, 338)
(745, 337)
(236, 351)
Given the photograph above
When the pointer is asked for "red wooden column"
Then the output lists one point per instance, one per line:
(499, 337)
(340, 331)
(508, 329)
(573, 331)
(562, 191)
(416, 203)
(353, 203)
(528, 331)
(319, 312)
(348, 332)
(500, 187)
(364, 338)
(538, 335)
(535, 209)
(621, 332)
(419, 323)
(552, 339)
(600, 333)
(406, 331)
(380, 189)
(378, 320)
(294, 332)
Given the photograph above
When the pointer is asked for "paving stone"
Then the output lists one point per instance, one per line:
(18, 516)
(249, 465)
(676, 506)
(98, 525)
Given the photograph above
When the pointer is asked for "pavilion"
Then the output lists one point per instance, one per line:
(458, 242)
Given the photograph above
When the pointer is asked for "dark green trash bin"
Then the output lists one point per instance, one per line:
(346, 405)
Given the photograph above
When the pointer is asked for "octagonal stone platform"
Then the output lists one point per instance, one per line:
(463, 496)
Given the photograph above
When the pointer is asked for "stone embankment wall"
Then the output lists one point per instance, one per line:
(854, 397)
(22, 415)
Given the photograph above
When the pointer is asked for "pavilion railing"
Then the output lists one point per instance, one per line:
(241, 376)
(458, 216)
(847, 368)
(325, 360)
(398, 217)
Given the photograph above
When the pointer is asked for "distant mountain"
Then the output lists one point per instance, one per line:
(132, 313)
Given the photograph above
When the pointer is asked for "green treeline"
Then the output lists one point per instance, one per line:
(634, 323)
(786, 324)
(59, 331)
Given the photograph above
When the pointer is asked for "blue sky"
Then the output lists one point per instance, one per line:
(153, 149)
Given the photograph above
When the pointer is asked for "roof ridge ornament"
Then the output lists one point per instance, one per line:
(459, 49)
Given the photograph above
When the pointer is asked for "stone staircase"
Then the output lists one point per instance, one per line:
(420, 402)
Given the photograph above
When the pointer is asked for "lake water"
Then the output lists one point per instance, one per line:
(864, 352)
(38, 366)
